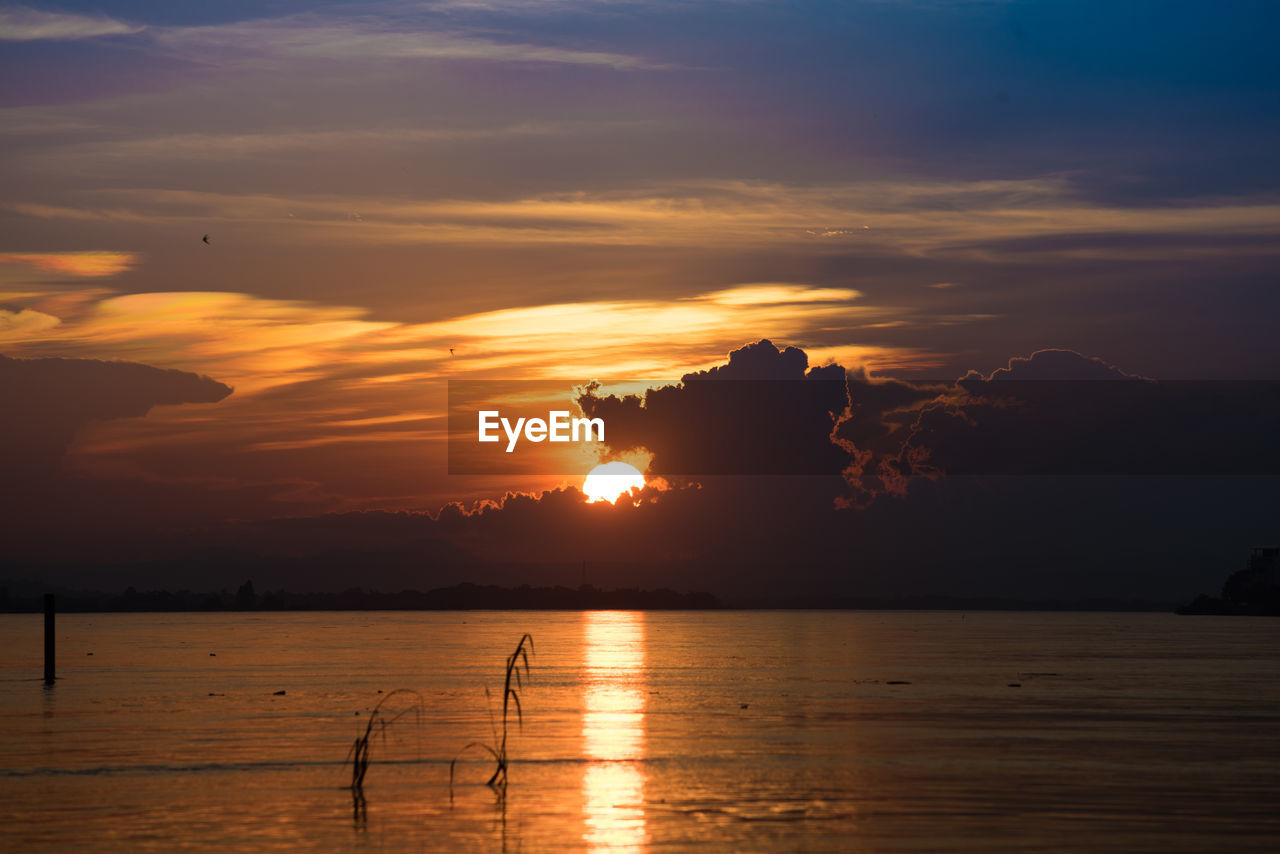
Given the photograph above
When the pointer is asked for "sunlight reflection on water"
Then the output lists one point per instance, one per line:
(666, 731)
(613, 731)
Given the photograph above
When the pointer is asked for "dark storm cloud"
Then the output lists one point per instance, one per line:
(764, 412)
(1056, 412)
(46, 401)
(1052, 365)
(1061, 413)
(879, 409)
(731, 532)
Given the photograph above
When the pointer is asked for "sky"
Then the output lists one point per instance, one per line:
(400, 194)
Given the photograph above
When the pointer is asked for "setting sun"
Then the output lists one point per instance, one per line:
(608, 481)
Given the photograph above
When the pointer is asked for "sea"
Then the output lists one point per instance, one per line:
(643, 731)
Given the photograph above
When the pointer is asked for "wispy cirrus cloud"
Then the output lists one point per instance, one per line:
(259, 344)
(911, 218)
(80, 264)
(313, 36)
(22, 24)
(194, 147)
(779, 294)
(334, 384)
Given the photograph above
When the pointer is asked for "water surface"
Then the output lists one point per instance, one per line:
(747, 731)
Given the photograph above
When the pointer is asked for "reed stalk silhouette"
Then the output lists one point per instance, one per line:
(379, 720)
(510, 697)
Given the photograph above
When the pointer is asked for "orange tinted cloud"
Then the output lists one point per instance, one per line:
(24, 324)
(353, 404)
(258, 344)
(81, 264)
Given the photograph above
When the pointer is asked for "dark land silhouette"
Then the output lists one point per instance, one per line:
(23, 597)
(1253, 591)
(460, 597)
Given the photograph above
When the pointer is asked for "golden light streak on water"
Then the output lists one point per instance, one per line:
(613, 731)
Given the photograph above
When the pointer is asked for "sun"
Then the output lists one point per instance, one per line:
(608, 481)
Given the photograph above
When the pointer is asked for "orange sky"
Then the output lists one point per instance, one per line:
(591, 193)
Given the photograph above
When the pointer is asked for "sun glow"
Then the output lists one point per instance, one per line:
(608, 481)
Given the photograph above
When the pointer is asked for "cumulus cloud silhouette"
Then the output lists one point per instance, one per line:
(1054, 412)
(764, 412)
(48, 400)
(1052, 365)
(1058, 412)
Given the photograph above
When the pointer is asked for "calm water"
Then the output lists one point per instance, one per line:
(678, 731)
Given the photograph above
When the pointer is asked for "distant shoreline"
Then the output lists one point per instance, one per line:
(475, 597)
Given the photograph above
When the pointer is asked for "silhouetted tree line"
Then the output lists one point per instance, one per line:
(467, 596)
(930, 602)
(460, 597)
(1252, 592)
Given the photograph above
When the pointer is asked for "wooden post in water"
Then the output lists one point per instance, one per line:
(49, 640)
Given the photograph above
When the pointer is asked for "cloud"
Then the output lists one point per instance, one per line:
(1050, 364)
(24, 324)
(1058, 412)
(739, 536)
(989, 221)
(346, 141)
(256, 343)
(22, 23)
(260, 343)
(320, 37)
(780, 294)
(79, 264)
(1055, 412)
(764, 412)
(348, 399)
(321, 387)
(48, 400)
